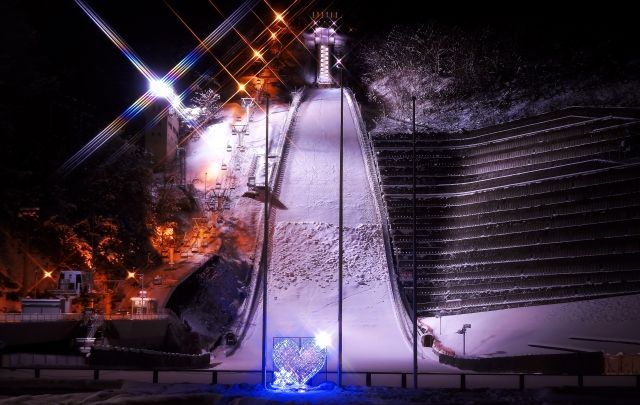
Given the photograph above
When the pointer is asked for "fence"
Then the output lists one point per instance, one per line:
(21, 317)
(460, 381)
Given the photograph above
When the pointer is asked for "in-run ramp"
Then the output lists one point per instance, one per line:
(303, 267)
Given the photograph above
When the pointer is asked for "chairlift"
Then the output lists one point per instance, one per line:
(224, 166)
(218, 185)
(229, 147)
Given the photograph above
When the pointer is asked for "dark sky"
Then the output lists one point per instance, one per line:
(58, 38)
(66, 36)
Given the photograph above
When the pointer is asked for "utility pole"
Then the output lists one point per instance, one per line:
(340, 229)
(463, 332)
(265, 245)
(413, 256)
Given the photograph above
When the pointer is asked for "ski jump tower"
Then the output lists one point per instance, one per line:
(326, 44)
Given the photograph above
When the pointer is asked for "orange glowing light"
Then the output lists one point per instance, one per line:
(131, 274)
(48, 274)
(257, 54)
(279, 17)
(242, 87)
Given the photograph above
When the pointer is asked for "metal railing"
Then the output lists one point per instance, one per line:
(461, 381)
(254, 298)
(134, 317)
(22, 317)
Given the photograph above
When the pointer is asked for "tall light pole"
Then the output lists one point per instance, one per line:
(340, 226)
(265, 244)
(413, 256)
(463, 332)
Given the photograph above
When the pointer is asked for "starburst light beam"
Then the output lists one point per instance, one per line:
(117, 40)
(146, 99)
(132, 143)
(229, 23)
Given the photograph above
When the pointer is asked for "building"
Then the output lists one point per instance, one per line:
(71, 285)
(161, 132)
(42, 306)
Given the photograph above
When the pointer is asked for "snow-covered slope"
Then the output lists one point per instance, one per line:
(303, 285)
(510, 332)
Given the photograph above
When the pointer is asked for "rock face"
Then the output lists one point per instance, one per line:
(208, 300)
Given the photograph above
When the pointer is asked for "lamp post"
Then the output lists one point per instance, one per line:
(340, 227)
(463, 332)
(265, 253)
(142, 294)
(414, 298)
(439, 316)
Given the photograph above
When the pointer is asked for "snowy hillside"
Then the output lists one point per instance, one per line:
(303, 267)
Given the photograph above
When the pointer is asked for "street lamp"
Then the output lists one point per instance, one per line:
(414, 296)
(340, 226)
(46, 275)
(161, 89)
(463, 332)
(265, 253)
(142, 294)
(439, 316)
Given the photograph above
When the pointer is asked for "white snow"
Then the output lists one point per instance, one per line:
(509, 332)
(303, 281)
(303, 268)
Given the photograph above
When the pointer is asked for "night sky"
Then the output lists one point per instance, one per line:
(45, 40)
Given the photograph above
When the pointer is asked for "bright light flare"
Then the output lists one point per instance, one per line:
(145, 100)
(131, 274)
(323, 340)
(161, 89)
(257, 54)
(48, 274)
(279, 17)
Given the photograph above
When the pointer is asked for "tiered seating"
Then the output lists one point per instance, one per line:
(536, 211)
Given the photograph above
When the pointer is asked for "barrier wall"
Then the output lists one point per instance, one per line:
(540, 210)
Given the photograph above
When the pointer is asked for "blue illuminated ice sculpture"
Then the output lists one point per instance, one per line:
(297, 360)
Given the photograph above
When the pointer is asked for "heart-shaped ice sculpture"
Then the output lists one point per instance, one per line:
(297, 360)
